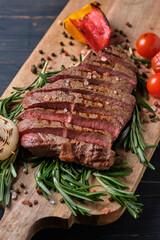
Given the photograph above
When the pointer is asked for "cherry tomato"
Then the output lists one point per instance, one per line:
(155, 63)
(153, 85)
(148, 45)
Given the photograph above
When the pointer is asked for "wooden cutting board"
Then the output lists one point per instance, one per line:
(22, 222)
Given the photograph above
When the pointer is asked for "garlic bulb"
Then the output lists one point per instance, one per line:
(9, 137)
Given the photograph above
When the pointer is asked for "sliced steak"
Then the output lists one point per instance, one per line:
(66, 130)
(91, 155)
(98, 92)
(79, 114)
(114, 54)
(94, 121)
(93, 78)
(78, 102)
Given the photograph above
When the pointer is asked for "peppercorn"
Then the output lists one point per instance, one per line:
(53, 54)
(62, 200)
(39, 191)
(61, 50)
(62, 67)
(48, 58)
(70, 37)
(71, 43)
(22, 185)
(73, 58)
(41, 52)
(61, 43)
(128, 24)
(33, 69)
(40, 65)
(66, 53)
(43, 61)
(152, 115)
(35, 202)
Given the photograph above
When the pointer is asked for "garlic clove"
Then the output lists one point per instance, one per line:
(9, 137)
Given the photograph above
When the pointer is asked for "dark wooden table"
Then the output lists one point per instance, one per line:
(22, 25)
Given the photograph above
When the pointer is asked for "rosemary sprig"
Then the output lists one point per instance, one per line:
(117, 192)
(71, 181)
(7, 175)
(17, 96)
(66, 179)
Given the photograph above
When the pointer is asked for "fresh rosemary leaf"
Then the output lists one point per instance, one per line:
(144, 60)
(141, 100)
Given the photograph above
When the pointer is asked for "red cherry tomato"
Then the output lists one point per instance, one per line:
(153, 85)
(155, 63)
(148, 45)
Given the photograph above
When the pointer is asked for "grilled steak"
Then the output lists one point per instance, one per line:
(79, 114)
(91, 155)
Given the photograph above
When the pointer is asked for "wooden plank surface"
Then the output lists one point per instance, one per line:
(111, 8)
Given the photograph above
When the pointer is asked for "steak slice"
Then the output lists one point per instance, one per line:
(91, 155)
(66, 130)
(94, 121)
(79, 114)
(98, 92)
(93, 78)
(114, 54)
(78, 102)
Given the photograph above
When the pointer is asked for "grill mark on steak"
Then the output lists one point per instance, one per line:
(76, 95)
(115, 58)
(94, 121)
(41, 144)
(85, 86)
(120, 56)
(89, 108)
(105, 70)
(65, 130)
(93, 78)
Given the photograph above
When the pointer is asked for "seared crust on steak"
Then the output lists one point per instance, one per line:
(79, 114)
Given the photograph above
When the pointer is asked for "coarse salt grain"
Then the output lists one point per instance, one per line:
(100, 105)
(52, 202)
(103, 59)
(105, 210)
(144, 110)
(107, 74)
(86, 82)
(154, 108)
(65, 110)
(46, 98)
(14, 195)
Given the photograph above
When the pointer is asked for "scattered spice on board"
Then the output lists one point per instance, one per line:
(41, 51)
(35, 202)
(73, 58)
(62, 67)
(34, 69)
(105, 210)
(71, 43)
(128, 24)
(48, 58)
(53, 54)
(39, 191)
(14, 195)
(22, 185)
(27, 202)
(61, 43)
(25, 171)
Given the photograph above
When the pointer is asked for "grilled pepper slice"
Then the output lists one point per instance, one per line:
(89, 25)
